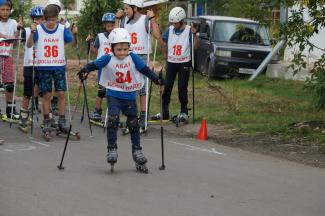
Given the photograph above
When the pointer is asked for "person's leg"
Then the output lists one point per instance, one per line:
(113, 105)
(168, 88)
(183, 78)
(46, 78)
(9, 81)
(28, 89)
(97, 113)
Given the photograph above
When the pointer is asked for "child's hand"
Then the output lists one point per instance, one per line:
(89, 38)
(119, 14)
(150, 14)
(33, 27)
(159, 81)
(74, 29)
(83, 74)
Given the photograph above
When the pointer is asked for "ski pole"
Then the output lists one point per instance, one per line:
(193, 83)
(147, 80)
(154, 60)
(162, 167)
(86, 104)
(33, 96)
(15, 79)
(61, 167)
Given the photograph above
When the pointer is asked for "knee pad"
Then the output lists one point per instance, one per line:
(113, 121)
(133, 124)
(9, 87)
(101, 92)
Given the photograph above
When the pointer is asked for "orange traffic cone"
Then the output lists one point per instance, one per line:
(203, 132)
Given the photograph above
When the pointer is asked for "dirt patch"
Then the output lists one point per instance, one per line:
(295, 150)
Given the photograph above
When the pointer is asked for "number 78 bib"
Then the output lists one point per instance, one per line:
(121, 75)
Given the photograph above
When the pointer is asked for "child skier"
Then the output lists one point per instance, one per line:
(177, 49)
(8, 30)
(31, 78)
(122, 77)
(102, 47)
(137, 25)
(49, 38)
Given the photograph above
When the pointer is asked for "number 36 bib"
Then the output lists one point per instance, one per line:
(121, 75)
(50, 47)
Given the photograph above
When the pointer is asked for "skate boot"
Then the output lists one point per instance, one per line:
(142, 122)
(182, 118)
(158, 116)
(23, 121)
(62, 126)
(54, 106)
(96, 117)
(46, 129)
(15, 115)
(112, 157)
(140, 161)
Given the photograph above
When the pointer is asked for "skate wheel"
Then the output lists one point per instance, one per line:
(142, 168)
(47, 137)
(112, 167)
(77, 136)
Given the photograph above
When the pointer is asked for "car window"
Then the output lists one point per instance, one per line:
(246, 33)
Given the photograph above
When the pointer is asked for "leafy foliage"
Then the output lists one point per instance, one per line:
(90, 21)
(298, 32)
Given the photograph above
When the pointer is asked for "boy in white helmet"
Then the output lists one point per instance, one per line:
(102, 47)
(31, 78)
(49, 39)
(122, 76)
(137, 25)
(177, 50)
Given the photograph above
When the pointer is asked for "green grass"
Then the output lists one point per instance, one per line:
(261, 106)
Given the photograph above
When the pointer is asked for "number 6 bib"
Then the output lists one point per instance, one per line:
(121, 75)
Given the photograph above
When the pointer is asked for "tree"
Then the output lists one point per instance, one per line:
(90, 21)
(298, 33)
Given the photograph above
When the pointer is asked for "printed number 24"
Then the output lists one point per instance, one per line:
(121, 79)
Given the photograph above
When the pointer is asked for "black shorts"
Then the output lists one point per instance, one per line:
(28, 80)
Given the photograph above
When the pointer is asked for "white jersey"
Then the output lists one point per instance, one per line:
(28, 54)
(50, 47)
(121, 75)
(179, 47)
(104, 46)
(139, 35)
(8, 28)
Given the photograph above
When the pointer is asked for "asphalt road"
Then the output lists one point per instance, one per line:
(201, 178)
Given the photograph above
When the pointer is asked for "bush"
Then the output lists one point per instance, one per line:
(90, 21)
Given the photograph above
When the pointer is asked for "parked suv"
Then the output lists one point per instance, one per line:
(229, 45)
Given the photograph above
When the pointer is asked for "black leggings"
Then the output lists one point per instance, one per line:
(183, 70)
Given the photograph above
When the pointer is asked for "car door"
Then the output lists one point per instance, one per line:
(205, 45)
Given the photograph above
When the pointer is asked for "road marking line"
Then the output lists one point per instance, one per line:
(193, 148)
(8, 150)
(19, 148)
(39, 143)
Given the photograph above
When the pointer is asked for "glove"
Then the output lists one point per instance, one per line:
(83, 74)
(159, 81)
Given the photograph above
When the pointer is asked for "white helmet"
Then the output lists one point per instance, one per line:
(176, 15)
(137, 3)
(119, 35)
(54, 2)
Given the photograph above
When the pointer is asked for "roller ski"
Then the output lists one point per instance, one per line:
(24, 120)
(156, 119)
(140, 161)
(63, 129)
(180, 119)
(112, 158)
(8, 118)
(96, 118)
